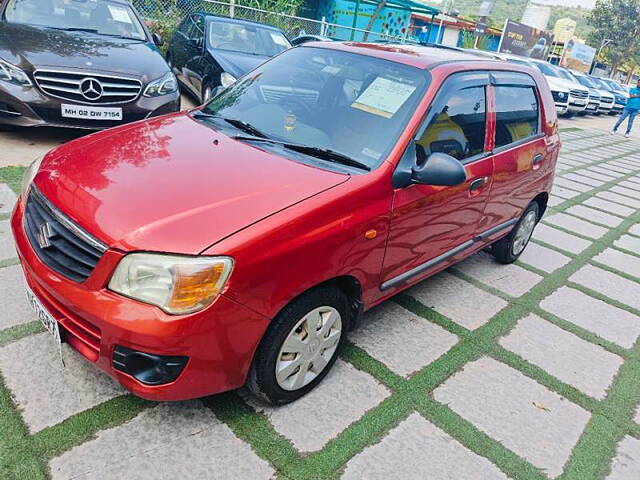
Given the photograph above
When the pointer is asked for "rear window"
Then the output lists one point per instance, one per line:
(517, 114)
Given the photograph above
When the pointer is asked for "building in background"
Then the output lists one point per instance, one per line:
(564, 29)
(536, 16)
(452, 33)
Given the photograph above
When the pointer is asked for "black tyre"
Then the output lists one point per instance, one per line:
(508, 249)
(300, 346)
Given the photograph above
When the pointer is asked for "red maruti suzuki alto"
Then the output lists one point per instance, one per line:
(238, 243)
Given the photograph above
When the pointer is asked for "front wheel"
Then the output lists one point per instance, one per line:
(508, 249)
(300, 346)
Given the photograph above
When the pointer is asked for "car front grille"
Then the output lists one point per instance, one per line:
(593, 96)
(88, 88)
(559, 97)
(579, 94)
(608, 100)
(61, 244)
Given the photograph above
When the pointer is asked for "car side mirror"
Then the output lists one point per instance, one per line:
(437, 169)
(157, 39)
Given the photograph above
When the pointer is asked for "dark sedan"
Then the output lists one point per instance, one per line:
(87, 64)
(208, 51)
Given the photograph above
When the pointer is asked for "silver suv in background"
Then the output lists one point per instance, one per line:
(607, 100)
(560, 91)
(578, 94)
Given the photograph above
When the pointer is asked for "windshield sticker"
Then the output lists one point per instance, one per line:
(331, 69)
(383, 97)
(278, 39)
(119, 14)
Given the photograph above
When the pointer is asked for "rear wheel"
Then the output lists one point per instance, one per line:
(509, 248)
(300, 346)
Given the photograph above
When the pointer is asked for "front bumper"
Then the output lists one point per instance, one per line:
(219, 341)
(29, 107)
(561, 108)
(576, 106)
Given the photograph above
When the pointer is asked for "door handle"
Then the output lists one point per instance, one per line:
(477, 183)
(537, 159)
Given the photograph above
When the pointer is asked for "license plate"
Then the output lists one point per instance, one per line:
(579, 102)
(50, 323)
(90, 113)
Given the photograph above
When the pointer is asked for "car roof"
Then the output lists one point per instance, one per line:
(421, 56)
(238, 21)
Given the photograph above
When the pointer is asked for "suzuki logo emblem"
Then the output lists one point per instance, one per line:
(45, 234)
(91, 89)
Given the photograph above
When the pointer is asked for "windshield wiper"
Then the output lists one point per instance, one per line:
(239, 124)
(318, 152)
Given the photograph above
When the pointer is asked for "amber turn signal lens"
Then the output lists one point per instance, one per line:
(195, 287)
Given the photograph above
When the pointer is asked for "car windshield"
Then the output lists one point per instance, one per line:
(547, 69)
(615, 86)
(586, 81)
(564, 74)
(95, 16)
(601, 84)
(348, 103)
(246, 38)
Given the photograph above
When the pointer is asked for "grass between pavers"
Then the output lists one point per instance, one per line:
(12, 176)
(26, 456)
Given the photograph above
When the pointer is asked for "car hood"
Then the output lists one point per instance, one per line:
(236, 63)
(31, 48)
(172, 184)
(558, 84)
(606, 94)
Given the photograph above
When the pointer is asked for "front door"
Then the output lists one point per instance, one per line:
(431, 225)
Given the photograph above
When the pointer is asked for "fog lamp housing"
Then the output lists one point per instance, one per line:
(148, 368)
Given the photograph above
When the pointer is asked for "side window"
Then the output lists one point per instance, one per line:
(458, 128)
(516, 114)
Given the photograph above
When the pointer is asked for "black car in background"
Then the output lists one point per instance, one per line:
(80, 63)
(208, 51)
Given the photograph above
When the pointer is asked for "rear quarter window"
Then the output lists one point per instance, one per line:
(517, 114)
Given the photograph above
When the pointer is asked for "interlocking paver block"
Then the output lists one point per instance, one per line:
(621, 261)
(170, 441)
(13, 301)
(543, 258)
(417, 450)
(631, 185)
(44, 390)
(595, 175)
(342, 397)
(609, 322)
(7, 247)
(7, 198)
(635, 229)
(593, 215)
(626, 464)
(532, 421)
(622, 195)
(609, 284)
(576, 225)
(610, 207)
(400, 339)
(510, 279)
(458, 300)
(583, 365)
(563, 182)
(559, 239)
(583, 179)
(629, 243)
(564, 192)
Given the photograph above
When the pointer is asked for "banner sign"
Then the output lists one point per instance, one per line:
(526, 41)
(577, 56)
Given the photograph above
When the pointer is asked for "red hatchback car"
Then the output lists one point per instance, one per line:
(237, 244)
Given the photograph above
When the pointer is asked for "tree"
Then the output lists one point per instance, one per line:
(618, 21)
(372, 20)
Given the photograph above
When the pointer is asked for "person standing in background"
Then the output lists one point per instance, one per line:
(630, 110)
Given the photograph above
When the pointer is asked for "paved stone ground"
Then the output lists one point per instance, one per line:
(528, 371)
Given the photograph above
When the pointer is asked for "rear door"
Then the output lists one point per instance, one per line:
(519, 149)
(193, 55)
(431, 225)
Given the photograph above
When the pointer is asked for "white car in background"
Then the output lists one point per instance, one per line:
(578, 94)
(607, 99)
(559, 90)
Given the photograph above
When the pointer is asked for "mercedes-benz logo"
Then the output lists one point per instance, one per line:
(91, 89)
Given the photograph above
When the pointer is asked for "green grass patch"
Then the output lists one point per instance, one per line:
(12, 176)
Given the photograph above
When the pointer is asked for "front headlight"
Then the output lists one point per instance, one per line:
(162, 86)
(176, 284)
(227, 79)
(12, 74)
(29, 175)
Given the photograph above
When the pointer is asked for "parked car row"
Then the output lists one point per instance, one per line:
(575, 92)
